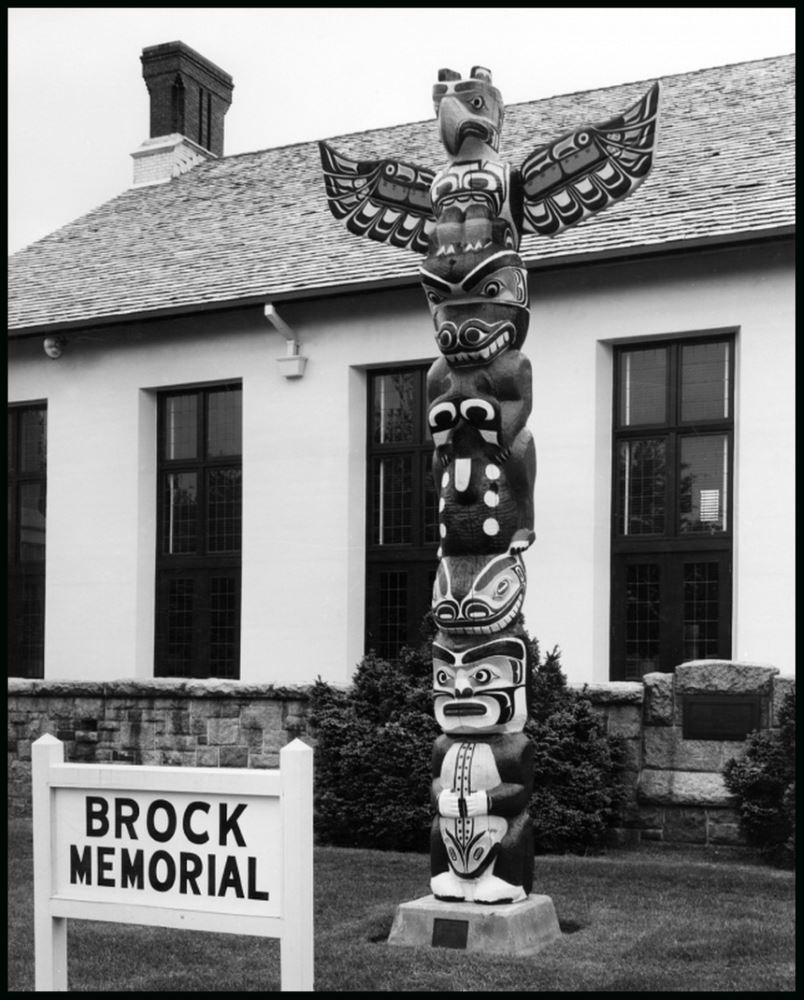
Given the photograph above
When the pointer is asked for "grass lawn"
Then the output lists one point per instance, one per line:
(652, 919)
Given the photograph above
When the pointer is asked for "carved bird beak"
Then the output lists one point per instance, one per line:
(451, 114)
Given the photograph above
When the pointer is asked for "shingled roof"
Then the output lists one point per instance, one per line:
(256, 227)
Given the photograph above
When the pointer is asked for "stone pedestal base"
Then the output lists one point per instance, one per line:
(506, 929)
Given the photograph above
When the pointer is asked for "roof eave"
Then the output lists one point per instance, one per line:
(380, 284)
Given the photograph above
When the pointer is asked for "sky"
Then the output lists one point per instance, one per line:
(78, 106)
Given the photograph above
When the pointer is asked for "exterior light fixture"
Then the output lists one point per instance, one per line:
(53, 346)
(292, 365)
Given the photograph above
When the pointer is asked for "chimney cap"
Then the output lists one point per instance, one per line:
(151, 54)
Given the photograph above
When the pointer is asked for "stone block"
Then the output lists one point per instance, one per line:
(723, 827)
(222, 731)
(658, 704)
(613, 693)
(265, 714)
(251, 735)
(624, 721)
(208, 757)
(685, 825)
(681, 788)
(632, 755)
(730, 749)
(170, 741)
(517, 929)
(263, 759)
(665, 748)
(87, 709)
(651, 817)
(198, 725)
(174, 721)
(782, 686)
(233, 756)
(724, 677)
(136, 735)
(179, 758)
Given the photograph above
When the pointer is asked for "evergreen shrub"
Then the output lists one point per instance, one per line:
(374, 745)
(764, 781)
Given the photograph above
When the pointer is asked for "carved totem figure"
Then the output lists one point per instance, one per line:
(467, 219)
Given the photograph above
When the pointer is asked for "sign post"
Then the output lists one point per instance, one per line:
(217, 849)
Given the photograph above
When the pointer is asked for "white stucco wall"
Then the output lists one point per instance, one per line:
(304, 462)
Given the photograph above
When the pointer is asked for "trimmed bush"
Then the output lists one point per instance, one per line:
(577, 791)
(374, 746)
(764, 781)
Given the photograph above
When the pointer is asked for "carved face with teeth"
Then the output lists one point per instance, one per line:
(482, 315)
(480, 688)
(478, 595)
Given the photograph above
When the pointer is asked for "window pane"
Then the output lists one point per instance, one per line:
(33, 441)
(393, 613)
(431, 535)
(705, 381)
(181, 426)
(642, 620)
(224, 422)
(179, 513)
(701, 610)
(392, 496)
(641, 487)
(180, 601)
(392, 408)
(223, 627)
(31, 524)
(703, 483)
(643, 387)
(224, 507)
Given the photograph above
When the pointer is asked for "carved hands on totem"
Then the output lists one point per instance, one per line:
(467, 220)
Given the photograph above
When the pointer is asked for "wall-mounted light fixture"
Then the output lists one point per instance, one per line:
(53, 346)
(292, 365)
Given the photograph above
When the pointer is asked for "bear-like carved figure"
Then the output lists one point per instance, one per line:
(481, 845)
(484, 463)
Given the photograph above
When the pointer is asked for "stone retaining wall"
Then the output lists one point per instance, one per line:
(674, 787)
(189, 723)
(681, 793)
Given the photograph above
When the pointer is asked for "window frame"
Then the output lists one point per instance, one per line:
(416, 558)
(24, 573)
(201, 566)
(672, 548)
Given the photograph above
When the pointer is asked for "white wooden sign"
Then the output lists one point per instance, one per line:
(212, 849)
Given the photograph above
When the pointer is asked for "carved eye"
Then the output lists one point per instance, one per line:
(446, 339)
(583, 138)
(471, 335)
(442, 678)
(478, 103)
(482, 676)
(390, 169)
(502, 588)
(492, 288)
(434, 298)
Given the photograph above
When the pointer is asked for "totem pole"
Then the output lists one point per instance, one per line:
(467, 219)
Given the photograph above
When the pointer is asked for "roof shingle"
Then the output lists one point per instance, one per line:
(257, 226)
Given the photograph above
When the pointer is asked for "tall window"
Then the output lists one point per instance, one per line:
(402, 511)
(198, 533)
(27, 486)
(672, 520)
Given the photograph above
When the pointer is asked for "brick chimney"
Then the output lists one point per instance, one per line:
(189, 97)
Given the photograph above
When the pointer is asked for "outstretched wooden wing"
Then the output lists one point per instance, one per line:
(582, 173)
(385, 200)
